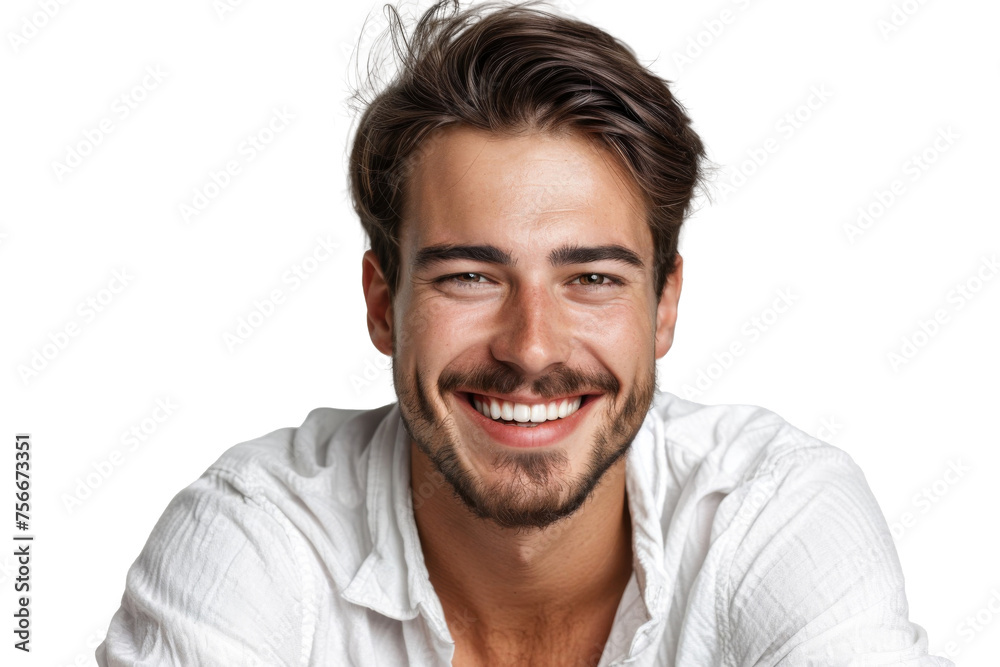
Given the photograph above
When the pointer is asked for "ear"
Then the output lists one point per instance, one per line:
(379, 303)
(666, 309)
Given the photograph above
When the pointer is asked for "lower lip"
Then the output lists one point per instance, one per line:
(546, 433)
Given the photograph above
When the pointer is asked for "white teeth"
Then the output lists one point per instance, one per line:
(523, 413)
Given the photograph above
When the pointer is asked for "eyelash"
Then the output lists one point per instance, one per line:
(454, 279)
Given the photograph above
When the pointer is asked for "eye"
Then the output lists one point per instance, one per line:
(464, 280)
(597, 280)
(468, 278)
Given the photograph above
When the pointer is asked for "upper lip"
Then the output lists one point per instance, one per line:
(526, 399)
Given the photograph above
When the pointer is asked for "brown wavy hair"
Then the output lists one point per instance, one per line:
(512, 69)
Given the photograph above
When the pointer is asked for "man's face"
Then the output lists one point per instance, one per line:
(525, 292)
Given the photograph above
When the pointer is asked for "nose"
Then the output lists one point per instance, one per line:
(534, 332)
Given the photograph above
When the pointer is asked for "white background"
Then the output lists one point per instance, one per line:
(823, 364)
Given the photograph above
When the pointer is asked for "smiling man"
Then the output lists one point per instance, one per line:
(533, 258)
(531, 499)
(530, 259)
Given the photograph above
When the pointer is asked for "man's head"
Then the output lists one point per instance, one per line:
(523, 183)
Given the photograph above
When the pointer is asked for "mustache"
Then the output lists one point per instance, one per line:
(501, 379)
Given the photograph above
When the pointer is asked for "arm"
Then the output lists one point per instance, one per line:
(216, 584)
(814, 578)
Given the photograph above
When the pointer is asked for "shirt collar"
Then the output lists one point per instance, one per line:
(647, 480)
(393, 579)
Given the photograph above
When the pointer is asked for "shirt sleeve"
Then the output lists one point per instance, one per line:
(814, 577)
(215, 584)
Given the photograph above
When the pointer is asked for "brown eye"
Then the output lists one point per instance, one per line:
(591, 279)
(468, 277)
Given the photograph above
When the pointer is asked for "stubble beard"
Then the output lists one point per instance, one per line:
(534, 491)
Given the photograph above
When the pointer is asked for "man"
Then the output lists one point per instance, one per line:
(531, 499)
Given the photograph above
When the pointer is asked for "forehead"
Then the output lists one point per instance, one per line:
(533, 191)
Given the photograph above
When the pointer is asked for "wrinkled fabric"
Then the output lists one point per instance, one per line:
(754, 544)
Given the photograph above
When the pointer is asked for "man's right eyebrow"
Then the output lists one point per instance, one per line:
(477, 253)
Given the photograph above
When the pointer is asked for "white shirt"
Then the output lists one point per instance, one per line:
(753, 543)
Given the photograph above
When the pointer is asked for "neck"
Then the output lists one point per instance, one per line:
(507, 578)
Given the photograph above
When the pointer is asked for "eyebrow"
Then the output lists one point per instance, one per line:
(489, 254)
(575, 254)
(478, 253)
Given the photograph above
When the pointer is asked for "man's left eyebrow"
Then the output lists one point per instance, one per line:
(574, 254)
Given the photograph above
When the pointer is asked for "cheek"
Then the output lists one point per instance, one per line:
(615, 329)
(436, 330)
(621, 340)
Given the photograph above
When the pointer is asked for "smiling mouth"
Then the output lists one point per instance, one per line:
(525, 415)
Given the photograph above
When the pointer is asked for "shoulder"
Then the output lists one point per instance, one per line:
(259, 481)
(808, 570)
(802, 563)
(314, 479)
(767, 477)
(187, 598)
(228, 573)
(758, 472)
(327, 438)
(731, 442)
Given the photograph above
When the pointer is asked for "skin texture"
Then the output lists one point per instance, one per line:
(528, 548)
